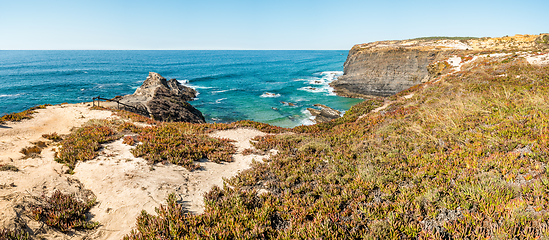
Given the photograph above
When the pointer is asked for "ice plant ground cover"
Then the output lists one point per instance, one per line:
(463, 157)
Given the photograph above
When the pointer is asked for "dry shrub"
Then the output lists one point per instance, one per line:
(53, 137)
(8, 167)
(178, 144)
(15, 117)
(31, 152)
(82, 144)
(64, 212)
(129, 140)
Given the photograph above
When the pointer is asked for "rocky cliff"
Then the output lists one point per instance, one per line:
(388, 67)
(164, 100)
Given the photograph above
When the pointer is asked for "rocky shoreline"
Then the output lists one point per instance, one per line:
(385, 68)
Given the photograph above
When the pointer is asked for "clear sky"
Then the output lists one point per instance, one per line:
(256, 24)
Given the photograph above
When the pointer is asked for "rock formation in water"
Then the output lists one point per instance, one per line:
(325, 114)
(164, 100)
(388, 67)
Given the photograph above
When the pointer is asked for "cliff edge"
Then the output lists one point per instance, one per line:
(384, 68)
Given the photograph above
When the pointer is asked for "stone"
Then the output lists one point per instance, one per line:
(164, 100)
(325, 114)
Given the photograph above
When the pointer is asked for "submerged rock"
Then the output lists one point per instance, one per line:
(164, 100)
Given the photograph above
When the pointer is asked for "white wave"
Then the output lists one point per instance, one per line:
(321, 82)
(185, 82)
(268, 94)
(222, 91)
(336, 73)
(315, 89)
(317, 82)
(219, 100)
(10, 95)
(197, 87)
(309, 120)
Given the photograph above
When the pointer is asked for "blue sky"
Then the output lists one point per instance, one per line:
(243, 24)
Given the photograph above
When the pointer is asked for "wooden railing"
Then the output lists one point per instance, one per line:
(124, 106)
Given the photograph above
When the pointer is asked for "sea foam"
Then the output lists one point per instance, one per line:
(321, 82)
(10, 95)
(268, 94)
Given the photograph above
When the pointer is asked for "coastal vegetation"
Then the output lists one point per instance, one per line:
(82, 144)
(7, 234)
(64, 212)
(464, 157)
(27, 114)
(179, 143)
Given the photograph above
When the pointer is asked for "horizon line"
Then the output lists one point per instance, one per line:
(174, 49)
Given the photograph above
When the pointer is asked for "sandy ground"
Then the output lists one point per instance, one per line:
(124, 185)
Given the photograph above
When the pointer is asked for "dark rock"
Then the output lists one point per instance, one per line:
(164, 100)
(288, 103)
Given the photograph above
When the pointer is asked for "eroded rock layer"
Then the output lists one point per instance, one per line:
(388, 67)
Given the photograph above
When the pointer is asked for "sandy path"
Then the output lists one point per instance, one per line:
(41, 175)
(124, 185)
(58, 118)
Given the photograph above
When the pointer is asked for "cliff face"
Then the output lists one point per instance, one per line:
(384, 72)
(388, 67)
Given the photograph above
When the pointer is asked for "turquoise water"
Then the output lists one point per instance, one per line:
(232, 85)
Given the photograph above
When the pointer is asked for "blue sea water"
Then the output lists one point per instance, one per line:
(232, 85)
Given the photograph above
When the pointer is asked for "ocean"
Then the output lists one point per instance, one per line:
(232, 85)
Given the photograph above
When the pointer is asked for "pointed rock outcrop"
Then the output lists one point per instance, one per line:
(165, 100)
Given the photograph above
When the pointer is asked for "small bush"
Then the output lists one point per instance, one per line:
(53, 137)
(8, 167)
(6, 234)
(129, 140)
(247, 151)
(31, 152)
(135, 117)
(64, 212)
(82, 144)
(15, 117)
(128, 127)
(177, 144)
